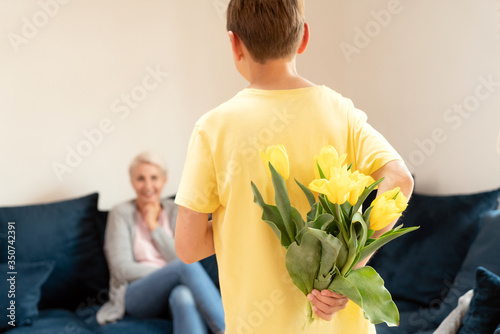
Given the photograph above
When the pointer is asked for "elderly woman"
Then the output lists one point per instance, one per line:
(146, 277)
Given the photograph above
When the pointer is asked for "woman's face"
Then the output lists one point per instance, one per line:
(148, 182)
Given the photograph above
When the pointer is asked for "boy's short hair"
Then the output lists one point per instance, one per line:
(270, 29)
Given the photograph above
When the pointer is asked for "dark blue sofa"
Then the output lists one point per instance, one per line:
(59, 276)
(62, 278)
(426, 271)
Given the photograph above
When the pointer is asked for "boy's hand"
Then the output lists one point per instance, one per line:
(326, 303)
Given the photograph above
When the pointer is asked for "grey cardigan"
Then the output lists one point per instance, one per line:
(119, 251)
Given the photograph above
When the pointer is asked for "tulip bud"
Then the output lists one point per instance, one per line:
(276, 155)
(387, 207)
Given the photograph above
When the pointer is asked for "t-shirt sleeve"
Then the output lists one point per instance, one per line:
(198, 186)
(369, 148)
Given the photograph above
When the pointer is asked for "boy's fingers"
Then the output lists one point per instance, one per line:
(325, 311)
(330, 298)
(322, 314)
(330, 293)
(325, 306)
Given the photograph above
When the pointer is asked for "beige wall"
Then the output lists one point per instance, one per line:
(111, 78)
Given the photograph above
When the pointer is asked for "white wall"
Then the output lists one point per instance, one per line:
(72, 73)
(431, 59)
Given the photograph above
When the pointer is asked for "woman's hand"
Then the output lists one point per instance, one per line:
(150, 213)
(326, 303)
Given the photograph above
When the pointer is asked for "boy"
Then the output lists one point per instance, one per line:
(279, 107)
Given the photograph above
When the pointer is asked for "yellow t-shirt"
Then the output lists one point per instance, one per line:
(223, 158)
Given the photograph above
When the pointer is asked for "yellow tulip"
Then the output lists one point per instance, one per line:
(386, 208)
(327, 159)
(359, 182)
(276, 155)
(336, 188)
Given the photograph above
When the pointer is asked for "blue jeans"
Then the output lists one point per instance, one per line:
(184, 289)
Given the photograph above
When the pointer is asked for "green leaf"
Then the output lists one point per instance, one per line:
(320, 221)
(321, 174)
(377, 302)
(352, 245)
(336, 228)
(367, 214)
(298, 237)
(310, 197)
(330, 249)
(346, 209)
(272, 216)
(383, 239)
(344, 287)
(283, 202)
(302, 262)
(365, 194)
(324, 204)
(297, 219)
(323, 282)
(343, 253)
(314, 212)
(358, 218)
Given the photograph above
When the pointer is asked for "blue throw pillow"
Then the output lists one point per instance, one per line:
(65, 232)
(419, 267)
(484, 309)
(483, 252)
(21, 292)
(497, 331)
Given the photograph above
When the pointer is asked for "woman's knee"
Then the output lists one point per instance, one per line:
(181, 295)
(192, 269)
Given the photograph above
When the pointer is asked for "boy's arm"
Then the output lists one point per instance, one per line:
(395, 174)
(193, 235)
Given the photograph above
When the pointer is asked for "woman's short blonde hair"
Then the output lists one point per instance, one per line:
(149, 157)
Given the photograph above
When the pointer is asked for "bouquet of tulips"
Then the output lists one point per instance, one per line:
(323, 248)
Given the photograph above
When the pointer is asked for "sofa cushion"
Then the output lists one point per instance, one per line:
(419, 267)
(127, 325)
(483, 315)
(410, 322)
(55, 321)
(483, 252)
(64, 232)
(21, 292)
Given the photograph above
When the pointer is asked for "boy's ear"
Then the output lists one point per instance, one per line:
(305, 39)
(235, 45)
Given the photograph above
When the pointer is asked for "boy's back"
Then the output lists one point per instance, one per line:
(223, 158)
(279, 107)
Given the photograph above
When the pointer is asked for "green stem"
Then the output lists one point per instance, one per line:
(341, 217)
(347, 266)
